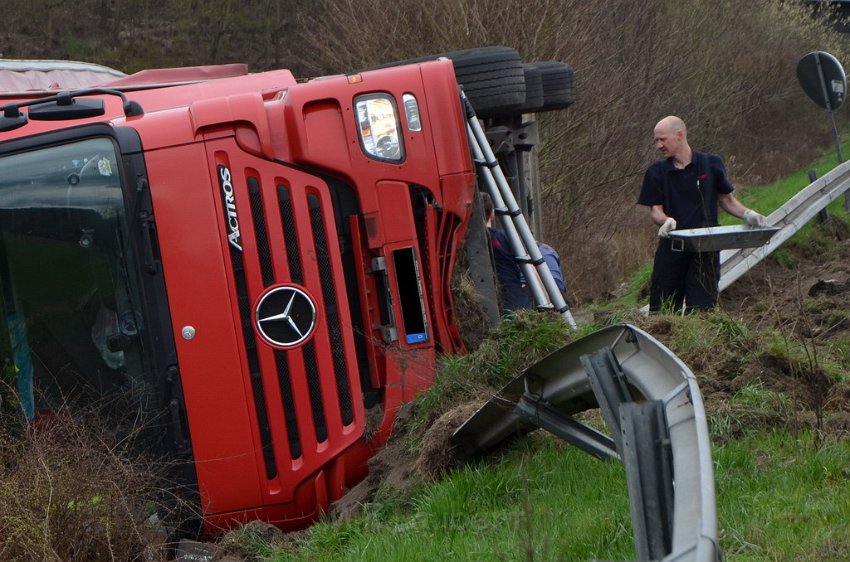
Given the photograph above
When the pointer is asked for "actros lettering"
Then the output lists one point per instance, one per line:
(230, 207)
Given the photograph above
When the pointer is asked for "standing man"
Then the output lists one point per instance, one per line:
(682, 191)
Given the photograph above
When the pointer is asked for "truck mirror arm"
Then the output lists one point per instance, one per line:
(64, 105)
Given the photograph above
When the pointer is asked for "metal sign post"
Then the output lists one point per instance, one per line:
(823, 79)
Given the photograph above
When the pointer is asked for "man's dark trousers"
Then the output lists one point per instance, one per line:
(689, 278)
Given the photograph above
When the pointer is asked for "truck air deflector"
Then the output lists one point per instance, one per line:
(662, 433)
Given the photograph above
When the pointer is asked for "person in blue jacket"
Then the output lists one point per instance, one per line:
(512, 291)
(553, 260)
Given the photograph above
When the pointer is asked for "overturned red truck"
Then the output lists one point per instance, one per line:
(261, 269)
(262, 262)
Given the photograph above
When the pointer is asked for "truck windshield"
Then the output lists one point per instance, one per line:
(69, 330)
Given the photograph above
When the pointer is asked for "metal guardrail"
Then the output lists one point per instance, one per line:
(635, 380)
(790, 218)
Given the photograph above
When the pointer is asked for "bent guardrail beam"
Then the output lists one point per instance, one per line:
(633, 377)
(790, 217)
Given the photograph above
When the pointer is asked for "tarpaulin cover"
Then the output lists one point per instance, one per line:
(187, 74)
(28, 75)
(40, 75)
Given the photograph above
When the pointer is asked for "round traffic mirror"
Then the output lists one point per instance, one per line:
(822, 78)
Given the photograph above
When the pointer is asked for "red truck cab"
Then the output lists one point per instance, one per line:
(263, 263)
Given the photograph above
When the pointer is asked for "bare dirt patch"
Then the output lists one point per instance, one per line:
(775, 290)
(804, 296)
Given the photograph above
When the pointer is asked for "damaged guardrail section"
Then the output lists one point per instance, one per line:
(790, 218)
(652, 405)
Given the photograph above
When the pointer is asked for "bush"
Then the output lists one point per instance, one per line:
(70, 490)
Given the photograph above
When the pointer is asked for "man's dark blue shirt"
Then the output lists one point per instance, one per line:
(688, 195)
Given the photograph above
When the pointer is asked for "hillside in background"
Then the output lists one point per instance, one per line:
(727, 68)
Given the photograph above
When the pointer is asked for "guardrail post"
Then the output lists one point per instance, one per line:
(823, 215)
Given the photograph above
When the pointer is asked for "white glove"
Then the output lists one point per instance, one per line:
(669, 224)
(752, 218)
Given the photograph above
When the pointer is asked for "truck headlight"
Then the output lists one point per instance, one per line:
(379, 128)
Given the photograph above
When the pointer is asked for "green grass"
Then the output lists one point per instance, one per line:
(781, 497)
(781, 491)
(542, 501)
(514, 345)
(769, 197)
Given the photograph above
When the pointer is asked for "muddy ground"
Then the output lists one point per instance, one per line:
(804, 295)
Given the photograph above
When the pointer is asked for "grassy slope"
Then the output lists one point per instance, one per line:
(536, 502)
(779, 490)
(766, 198)
(781, 496)
(782, 487)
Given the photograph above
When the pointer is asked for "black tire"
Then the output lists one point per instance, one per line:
(492, 78)
(559, 86)
(533, 90)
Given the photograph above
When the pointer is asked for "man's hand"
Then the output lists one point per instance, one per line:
(669, 224)
(752, 218)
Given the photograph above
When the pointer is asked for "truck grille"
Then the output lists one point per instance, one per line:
(289, 259)
(240, 278)
(331, 308)
(296, 274)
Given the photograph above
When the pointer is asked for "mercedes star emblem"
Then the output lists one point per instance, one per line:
(286, 316)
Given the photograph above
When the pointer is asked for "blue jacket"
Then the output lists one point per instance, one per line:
(511, 283)
(553, 260)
